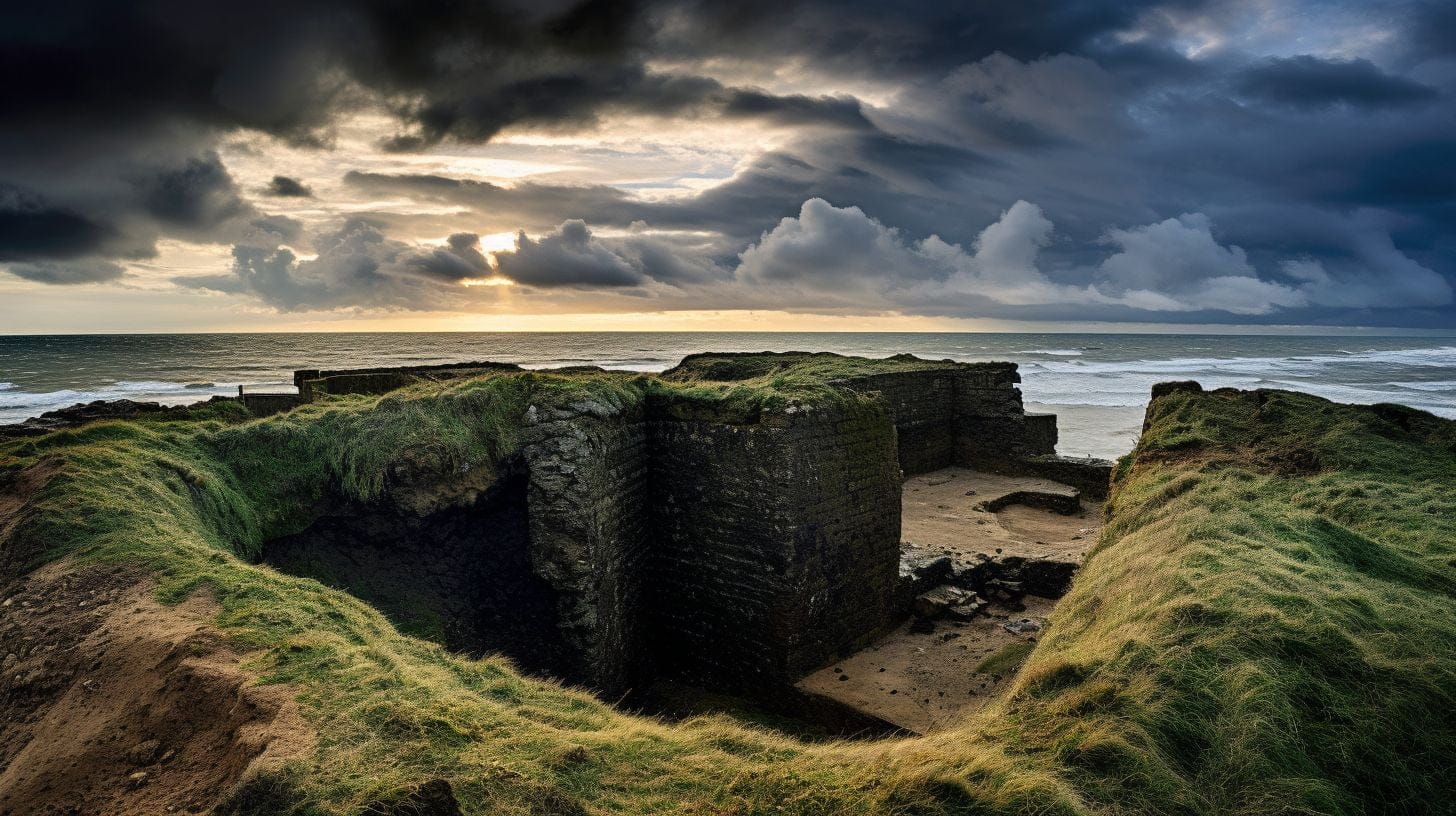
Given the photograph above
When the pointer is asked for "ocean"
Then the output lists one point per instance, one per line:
(1097, 383)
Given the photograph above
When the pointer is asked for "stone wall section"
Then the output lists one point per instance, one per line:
(989, 418)
(588, 496)
(922, 404)
(773, 548)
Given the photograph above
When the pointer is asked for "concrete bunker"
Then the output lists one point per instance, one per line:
(625, 545)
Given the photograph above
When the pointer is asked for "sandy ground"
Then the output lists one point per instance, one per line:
(925, 681)
(922, 682)
(111, 703)
(940, 513)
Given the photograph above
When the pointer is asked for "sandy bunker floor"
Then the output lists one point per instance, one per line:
(924, 681)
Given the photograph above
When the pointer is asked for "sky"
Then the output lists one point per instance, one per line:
(168, 165)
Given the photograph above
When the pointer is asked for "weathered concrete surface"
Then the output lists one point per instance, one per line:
(777, 542)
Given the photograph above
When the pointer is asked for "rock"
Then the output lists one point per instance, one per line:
(79, 414)
(1022, 627)
(137, 779)
(968, 609)
(1163, 389)
(934, 604)
(144, 753)
(1001, 589)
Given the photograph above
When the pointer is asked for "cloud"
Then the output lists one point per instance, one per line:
(356, 266)
(568, 256)
(831, 246)
(838, 253)
(31, 227)
(65, 273)
(1317, 147)
(286, 187)
(1172, 266)
(1307, 81)
(195, 196)
(1061, 96)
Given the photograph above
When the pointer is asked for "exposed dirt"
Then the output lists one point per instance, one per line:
(17, 488)
(924, 680)
(940, 513)
(111, 703)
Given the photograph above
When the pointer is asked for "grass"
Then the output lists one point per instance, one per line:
(1268, 624)
(1005, 660)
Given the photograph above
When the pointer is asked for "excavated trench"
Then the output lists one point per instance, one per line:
(461, 576)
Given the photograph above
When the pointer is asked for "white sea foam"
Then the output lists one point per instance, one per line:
(16, 405)
(1434, 385)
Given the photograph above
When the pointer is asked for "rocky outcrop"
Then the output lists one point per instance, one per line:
(80, 414)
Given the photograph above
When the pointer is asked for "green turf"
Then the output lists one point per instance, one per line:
(1268, 624)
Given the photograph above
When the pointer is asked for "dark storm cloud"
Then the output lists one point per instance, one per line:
(797, 109)
(1310, 82)
(68, 272)
(1175, 174)
(286, 187)
(31, 227)
(571, 256)
(197, 195)
(906, 39)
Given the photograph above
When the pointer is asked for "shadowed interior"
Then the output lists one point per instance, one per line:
(461, 576)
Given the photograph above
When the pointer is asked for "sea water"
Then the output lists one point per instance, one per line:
(1097, 383)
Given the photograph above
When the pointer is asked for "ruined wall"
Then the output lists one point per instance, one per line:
(989, 416)
(1039, 434)
(1091, 476)
(777, 542)
(967, 414)
(922, 404)
(588, 499)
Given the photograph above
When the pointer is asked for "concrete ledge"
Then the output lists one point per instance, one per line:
(1092, 476)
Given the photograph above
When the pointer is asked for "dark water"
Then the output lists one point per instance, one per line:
(1097, 382)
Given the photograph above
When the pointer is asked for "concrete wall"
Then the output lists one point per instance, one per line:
(1039, 434)
(589, 534)
(967, 414)
(989, 419)
(776, 542)
(922, 405)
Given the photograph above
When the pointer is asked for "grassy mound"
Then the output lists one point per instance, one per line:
(1267, 626)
